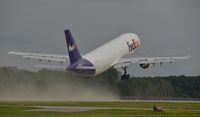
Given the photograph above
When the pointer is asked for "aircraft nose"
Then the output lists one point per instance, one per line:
(138, 40)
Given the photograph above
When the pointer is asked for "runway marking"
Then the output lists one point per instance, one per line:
(80, 109)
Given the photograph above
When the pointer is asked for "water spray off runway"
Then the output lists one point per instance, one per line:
(55, 89)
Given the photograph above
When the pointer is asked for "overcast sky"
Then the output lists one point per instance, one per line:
(165, 27)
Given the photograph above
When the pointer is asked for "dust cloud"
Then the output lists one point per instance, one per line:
(52, 88)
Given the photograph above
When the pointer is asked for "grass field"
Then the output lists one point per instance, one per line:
(114, 109)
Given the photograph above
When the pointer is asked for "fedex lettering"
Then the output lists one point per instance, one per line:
(134, 44)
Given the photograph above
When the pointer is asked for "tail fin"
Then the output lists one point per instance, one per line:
(74, 54)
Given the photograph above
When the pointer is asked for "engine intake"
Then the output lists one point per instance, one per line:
(144, 65)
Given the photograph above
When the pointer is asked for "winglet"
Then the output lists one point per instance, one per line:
(188, 56)
(11, 52)
(14, 53)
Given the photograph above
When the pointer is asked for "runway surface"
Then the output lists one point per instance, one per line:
(80, 109)
(76, 109)
(84, 108)
(62, 109)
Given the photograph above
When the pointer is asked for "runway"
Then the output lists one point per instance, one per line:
(84, 108)
(80, 109)
(106, 108)
(62, 109)
(77, 109)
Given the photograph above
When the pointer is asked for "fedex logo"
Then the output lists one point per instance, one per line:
(73, 47)
(134, 44)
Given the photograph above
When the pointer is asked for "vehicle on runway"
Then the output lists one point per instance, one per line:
(111, 54)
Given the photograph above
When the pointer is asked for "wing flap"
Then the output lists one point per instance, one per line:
(39, 56)
(50, 67)
(44, 58)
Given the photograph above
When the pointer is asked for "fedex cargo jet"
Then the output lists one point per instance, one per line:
(111, 54)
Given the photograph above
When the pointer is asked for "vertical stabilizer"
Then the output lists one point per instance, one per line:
(74, 54)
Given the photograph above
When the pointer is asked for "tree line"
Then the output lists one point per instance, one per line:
(135, 87)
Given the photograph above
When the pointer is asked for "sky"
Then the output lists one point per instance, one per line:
(165, 28)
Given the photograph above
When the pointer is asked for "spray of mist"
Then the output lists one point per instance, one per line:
(55, 89)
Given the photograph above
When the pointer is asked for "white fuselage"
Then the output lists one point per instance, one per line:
(106, 55)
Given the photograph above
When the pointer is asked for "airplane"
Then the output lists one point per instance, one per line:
(111, 54)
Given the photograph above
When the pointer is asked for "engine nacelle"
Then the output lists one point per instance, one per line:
(144, 65)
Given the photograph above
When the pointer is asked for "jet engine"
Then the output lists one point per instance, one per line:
(144, 65)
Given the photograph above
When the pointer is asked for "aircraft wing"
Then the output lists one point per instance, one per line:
(63, 67)
(50, 67)
(128, 61)
(40, 57)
